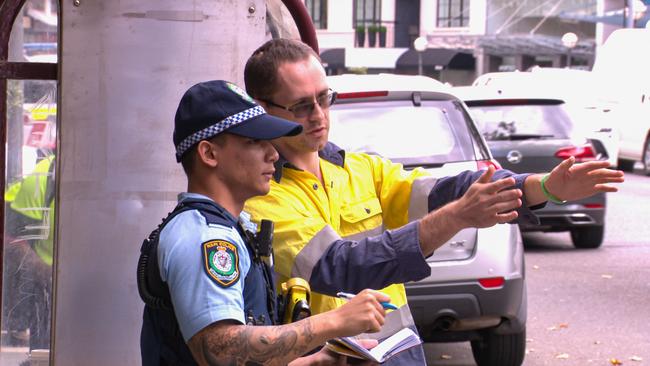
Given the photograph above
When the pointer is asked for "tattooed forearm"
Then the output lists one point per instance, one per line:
(230, 344)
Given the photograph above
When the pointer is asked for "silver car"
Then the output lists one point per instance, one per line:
(477, 290)
(528, 131)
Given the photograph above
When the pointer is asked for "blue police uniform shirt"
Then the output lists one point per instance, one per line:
(198, 299)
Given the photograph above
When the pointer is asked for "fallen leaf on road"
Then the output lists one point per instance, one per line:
(606, 276)
(552, 328)
(636, 359)
(562, 356)
(615, 361)
(528, 340)
(445, 357)
(596, 342)
(563, 325)
(535, 267)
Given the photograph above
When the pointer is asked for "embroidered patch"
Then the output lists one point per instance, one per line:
(221, 262)
(239, 91)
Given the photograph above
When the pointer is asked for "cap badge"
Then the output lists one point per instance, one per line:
(239, 91)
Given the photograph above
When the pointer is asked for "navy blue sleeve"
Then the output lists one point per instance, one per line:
(376, 262)
(449, 189)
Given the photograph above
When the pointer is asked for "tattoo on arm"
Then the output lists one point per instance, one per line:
(229, 343)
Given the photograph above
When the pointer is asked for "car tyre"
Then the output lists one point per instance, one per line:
(500, 349)
(588, 237)
(626, 165)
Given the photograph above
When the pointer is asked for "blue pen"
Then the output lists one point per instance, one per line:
(347, 296)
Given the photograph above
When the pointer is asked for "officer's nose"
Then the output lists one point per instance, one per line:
(271, 152)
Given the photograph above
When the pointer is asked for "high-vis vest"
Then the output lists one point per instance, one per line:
(33, 198)
(362, 196)
(161, 339)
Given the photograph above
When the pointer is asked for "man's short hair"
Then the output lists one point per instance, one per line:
(261, 71)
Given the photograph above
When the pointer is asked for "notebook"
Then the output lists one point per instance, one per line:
(394, 337)
(398, 342)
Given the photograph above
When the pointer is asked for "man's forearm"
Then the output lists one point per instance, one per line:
(533, 194)
(226, 343)
(436, 228)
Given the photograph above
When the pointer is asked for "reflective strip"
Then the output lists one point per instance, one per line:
(419, 202)
(365, 234)
(312, 252)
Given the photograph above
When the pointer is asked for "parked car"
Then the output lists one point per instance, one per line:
(531, 132)
(477, 289)
(622, 65)
(594, 114)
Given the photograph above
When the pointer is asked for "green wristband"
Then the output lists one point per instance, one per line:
(548, 194)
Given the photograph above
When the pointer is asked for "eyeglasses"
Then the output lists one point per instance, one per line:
(304, 109)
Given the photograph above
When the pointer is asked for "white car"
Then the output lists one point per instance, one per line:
(622, 65)
(477, 290)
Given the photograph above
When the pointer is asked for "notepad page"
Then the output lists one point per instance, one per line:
(402, 339)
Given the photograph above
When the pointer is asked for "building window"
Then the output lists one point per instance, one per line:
(453, 13)
(318, 11)
(367, 12)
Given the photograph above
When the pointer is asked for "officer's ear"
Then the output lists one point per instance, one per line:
(208, 153)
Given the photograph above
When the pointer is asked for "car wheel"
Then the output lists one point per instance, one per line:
(588, 237)
(500, 349)
(626, 165)
(646, 157)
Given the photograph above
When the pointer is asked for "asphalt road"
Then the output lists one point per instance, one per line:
(585, 307)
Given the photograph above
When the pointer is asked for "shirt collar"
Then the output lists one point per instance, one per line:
(330, 152)
(191, 195)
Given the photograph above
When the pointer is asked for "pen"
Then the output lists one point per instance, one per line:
(347, 296)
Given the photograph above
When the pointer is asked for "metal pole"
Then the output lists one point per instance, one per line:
(419, 62)
(568, 58)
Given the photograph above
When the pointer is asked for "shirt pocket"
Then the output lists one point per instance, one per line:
(361, 217)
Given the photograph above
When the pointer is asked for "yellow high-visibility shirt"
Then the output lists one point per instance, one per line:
(363, 196)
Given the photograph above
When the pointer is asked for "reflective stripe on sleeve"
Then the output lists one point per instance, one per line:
(419, 202)
(365, 234)
(311, 253)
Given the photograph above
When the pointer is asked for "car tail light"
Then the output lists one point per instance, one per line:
(492, 282)
(367, 94)
(484, 164)
(581, 153)
(594, 205)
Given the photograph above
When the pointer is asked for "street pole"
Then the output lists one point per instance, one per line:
(420, 44)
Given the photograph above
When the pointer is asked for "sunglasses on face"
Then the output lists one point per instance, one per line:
(304, 109)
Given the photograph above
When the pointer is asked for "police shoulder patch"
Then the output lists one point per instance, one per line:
(221, 262)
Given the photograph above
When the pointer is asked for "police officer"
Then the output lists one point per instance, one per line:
(217, 288)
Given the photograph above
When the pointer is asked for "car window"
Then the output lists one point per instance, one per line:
(435, 132)
(504, 122)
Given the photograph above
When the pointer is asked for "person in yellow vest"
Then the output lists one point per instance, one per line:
(346, 221)
(29, 228)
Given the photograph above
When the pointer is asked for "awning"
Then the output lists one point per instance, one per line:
(394, 58)
(333, 58)
(441, 57)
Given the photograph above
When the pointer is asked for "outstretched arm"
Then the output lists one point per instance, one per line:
(230, 343)
(488, 203)
(569, 181)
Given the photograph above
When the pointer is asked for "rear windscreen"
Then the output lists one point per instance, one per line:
(499, 121)
(435, 132)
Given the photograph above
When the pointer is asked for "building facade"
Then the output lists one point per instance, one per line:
(465, 38)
